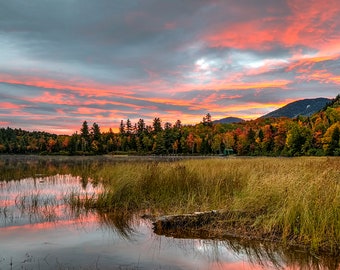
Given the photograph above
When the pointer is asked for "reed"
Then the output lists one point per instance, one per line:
(294, 199)
(37, 206)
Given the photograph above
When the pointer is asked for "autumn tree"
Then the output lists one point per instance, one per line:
(331, 140)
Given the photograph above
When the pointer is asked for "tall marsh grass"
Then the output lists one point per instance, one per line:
(295, 199)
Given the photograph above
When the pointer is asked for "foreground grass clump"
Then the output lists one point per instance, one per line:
(296, 200)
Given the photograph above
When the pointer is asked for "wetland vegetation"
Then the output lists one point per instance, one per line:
(289, 206)
(292, 200)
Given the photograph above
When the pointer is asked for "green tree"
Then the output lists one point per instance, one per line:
(216, 143)
(169, 137)
(141, 127)
(85, 137)
(84, 131)
(122, 128)
(157, 125)
(128, 127)
(331, 140)
(95, 131)
(299, 140)
(96, 142)
(159, 144)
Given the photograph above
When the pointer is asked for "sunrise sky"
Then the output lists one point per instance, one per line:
(66, 61)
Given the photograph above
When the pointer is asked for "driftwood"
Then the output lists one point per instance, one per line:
(184, 226)
(218, 225)
(204, 225)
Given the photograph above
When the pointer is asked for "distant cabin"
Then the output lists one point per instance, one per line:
(228, 152)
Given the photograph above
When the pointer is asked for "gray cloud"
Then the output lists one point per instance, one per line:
(62, 60)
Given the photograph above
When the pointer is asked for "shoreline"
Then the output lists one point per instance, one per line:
(222, 225)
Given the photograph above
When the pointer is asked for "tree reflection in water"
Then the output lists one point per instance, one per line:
(273, 254)
(122, 223)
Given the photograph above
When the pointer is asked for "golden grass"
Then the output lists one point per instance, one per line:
(297, 199)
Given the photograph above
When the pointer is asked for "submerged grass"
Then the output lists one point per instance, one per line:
(294, 199)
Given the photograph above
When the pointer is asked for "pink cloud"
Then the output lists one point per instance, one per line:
(3, 123)
(170, 25)
(10, 106)
(312, 24)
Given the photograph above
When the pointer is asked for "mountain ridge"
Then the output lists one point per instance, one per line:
(302, 107)
(228, 120)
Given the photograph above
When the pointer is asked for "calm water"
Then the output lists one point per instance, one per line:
(38, 230)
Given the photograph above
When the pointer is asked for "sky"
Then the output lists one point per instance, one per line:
(68, 61)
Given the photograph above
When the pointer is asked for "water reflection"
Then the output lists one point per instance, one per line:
(36, 200)
(16, 167)
(38, 230)
(121, 222)
(270, 255)
(262, 254)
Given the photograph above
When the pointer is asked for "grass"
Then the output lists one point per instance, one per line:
(37, 206)
(294, 199)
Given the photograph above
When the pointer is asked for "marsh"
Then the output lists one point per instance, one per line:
(85, 212)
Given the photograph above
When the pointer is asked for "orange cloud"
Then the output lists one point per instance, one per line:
(321, 76)
(303, 63)
(85, 87)
(307, 70)
(219, 85)
(245, 106)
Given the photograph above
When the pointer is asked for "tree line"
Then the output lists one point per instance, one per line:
(318, 134)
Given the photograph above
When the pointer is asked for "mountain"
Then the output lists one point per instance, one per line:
(304, 107)
(228, 120)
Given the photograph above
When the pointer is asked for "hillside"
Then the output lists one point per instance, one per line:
(228, 120)
(304, 107)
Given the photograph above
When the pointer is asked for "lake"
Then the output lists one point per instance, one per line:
(40, 230)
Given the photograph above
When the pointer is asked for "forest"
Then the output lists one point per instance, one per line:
(316, 135)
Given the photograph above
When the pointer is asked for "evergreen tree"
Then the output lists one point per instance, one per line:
(128, 127)
(84, 131)
(140, 127)
(157, 125)
(85, 137)
(168, 137)
(122, 128)
(95, 130)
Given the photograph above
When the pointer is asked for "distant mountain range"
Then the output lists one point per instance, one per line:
(228, 120)
(304, 107)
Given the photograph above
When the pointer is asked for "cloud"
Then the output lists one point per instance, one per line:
(63, 62)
